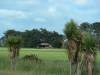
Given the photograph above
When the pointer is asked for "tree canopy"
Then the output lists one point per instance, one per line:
(32, 38)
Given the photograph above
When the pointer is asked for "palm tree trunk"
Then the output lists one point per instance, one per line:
(79, 65)
(90, 64)
(78, 71)
(70, 68)
(13, 64)
(13, 59)
(89, 69)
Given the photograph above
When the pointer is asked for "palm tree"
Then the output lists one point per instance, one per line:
(79, 44)
(14, 44)
(90, 51)
(72, 33)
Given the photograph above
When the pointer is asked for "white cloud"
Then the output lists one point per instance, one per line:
(40, 20)
(52, 11)
(81, 2)
(12, 13)
(29, 2)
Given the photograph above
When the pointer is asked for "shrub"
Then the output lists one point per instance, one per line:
(32, 59)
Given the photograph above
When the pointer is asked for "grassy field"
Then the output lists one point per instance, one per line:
(54, 62)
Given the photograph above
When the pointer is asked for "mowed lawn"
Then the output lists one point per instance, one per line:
(55, 62)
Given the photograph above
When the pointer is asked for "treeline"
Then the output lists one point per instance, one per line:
(32, 38)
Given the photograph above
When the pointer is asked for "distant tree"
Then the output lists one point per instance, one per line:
(32, 38)
(2, 42)
(55, 39)
(11, 33)
(96, 27)
(86, 27)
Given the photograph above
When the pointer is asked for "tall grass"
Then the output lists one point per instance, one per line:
(44, 68)
(54, 63)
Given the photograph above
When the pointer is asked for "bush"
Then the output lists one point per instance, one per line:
(32, 59)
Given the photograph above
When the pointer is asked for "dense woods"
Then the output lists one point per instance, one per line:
(32, 38)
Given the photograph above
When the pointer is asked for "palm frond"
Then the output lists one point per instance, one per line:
(89, 43)
(13, 40)
(71, 30)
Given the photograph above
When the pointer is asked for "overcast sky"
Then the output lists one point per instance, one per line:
(49, 14)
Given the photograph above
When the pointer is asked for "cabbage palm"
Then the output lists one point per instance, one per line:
(14, 44)
(72, 33)
(90, 51)
(80, 44)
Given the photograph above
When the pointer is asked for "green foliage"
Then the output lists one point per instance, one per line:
(89, 43)
(71, 31)
(93, 28)
(96, 27)
(11, 33)
(86, 27)
(32, 59)
(14, 40)
(32, 38)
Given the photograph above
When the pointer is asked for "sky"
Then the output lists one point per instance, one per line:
(50, 14)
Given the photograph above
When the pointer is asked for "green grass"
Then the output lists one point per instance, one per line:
(54, 62)
(45, 54)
